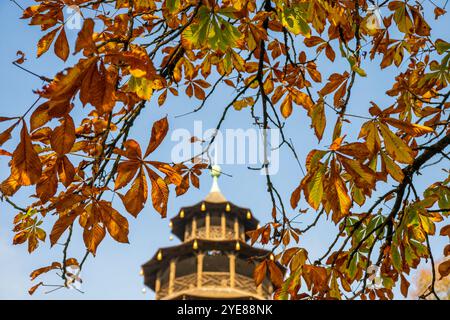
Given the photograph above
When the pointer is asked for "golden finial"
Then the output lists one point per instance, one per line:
(272, 257)
(195, 245)
(203, 207)
(159, 256)
(228, 208)
(249, 215)
(238, 246)
(141, 272)
(170, 225)
(182, 214)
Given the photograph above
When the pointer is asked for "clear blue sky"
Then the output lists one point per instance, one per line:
(114, 273)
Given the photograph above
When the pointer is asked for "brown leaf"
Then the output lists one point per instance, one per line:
(444, 268)
(84, 40)
(116, 224)
(92, 237)
(159, 131)
(45, 42)
(135, 199)
(62, 49)
(39, 117)
(295, 197)
(62, 224)
(34, 288)
(126, 171)
(47, 184)
(63, 137)
(276, 275)
(6, 135)
(36, 273)
(66, 171)
(160, 193)
(404, 286)
(26, 167)
(260, 272)
(10, 186)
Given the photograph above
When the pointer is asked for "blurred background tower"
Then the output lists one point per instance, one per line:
(212, 262)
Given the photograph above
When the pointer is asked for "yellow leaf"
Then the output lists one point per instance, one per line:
(395, 146)
(45, 42)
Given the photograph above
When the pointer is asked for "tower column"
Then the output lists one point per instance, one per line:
(207, 224)
(199, 269)
(236, 229)
(158, 284)
(172, 276)
(232, 259)
(194, 228)
(223, 223)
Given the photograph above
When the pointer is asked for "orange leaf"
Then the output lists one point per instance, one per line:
(276, 275)
(116, 224)
(33, 288)
(160, 193)
(92, 237)
(45, 42)
(61, 225)
(404, 286)
(36, 273)
(84, 40)
(159, 131)
(295, 197)
(66, 171)
(63, 137)
(26, 167)
(260, 272)
(125, 173)
(47, 185)
(444, 268)
(135, 199)
(62, 49)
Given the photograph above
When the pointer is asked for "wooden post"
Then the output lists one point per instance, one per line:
(236, 229)
(232, 259)
(199, 269)
(157, 284)
(194, 228)
(207, 223)
(172, 276)
(223, 222)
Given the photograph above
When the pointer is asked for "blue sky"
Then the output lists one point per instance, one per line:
(114, 273)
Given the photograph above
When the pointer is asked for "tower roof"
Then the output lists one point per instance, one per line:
(215, 195)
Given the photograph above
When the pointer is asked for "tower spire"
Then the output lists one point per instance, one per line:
(215, 195)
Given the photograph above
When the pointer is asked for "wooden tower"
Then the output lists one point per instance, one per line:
(212, 262)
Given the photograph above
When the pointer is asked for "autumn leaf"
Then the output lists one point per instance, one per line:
(136, 197)
(45, 42)
(92, 237)
(62, 49)
(116, 224)
(395, 146)
(159, 131)
(63, 137)
(260, 272)
(26, 167)
(444, 268)
(62, 224)
(36, 273)
(317, 114)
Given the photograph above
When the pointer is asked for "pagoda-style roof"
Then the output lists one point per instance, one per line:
(163, 256)
(244, 216)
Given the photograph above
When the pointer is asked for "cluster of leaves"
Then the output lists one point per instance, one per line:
(270, 53)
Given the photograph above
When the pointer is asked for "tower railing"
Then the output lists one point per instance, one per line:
(219, 280)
